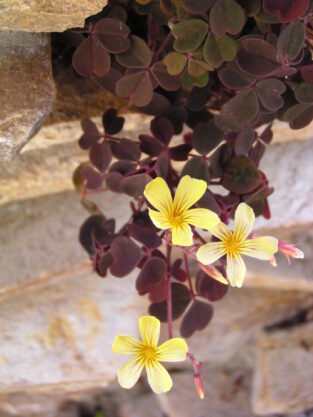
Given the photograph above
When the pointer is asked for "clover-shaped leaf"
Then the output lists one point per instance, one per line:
(226, 16)
(269, 92)
(210, 288)
(217, 50)
(197, 6)
(287, 10)
(198, 168)
(112, 123)
(167, 81)
(197, 317)
(304, 93)
(189, 34)
(113, 35)
(240, 175)
(145, 235)
(291, 41)
(175, 62)
(134, 185)
(137, 87)
(100, 155)
(206, 137)
(151, 275)
(299, 115)
(232, 77)
(91, 134)
(126, 254)
(137, 56)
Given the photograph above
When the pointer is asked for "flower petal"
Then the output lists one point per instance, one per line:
(182, 235)
(149, 328)
(203, 218)
(188, 192)
(244, 221)
(158, 377)
(159, 195)
(126, 345)
(260, 247)
(130, 372)
(159, 219)
(221, 231)
(210, 252)
(173, 350)
(236, 270)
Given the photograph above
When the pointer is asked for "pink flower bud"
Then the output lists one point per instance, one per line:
(199, 384)
(290, 251)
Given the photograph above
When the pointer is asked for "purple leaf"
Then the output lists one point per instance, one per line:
(145, 235)
(135, 184)
(166, 81)
(210, 288)
(113, 34)
(240, 175)
(126, 255)
(151, 275)
(100, 156)
(125, 149)
(93, 178)
(137, 56)
(162, 129)
(137, 87)
(197, 317)
(111, 123)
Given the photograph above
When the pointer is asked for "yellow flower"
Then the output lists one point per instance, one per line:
(147, 354)
(235, 244)
(176, 214)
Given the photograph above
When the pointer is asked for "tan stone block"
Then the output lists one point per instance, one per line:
(58, 337)
(27, 88)
(283, 373)
(47, 15)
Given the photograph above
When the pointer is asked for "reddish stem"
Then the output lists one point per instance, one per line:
(169, 292)
(188, 276)
(196, 234)
(162, 47)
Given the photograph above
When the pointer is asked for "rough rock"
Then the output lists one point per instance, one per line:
(47, 15)
(289, 169)
(61, 334)
(283, 374)
(41, 236)
(227, 393)
(27, 88)
(238, 318)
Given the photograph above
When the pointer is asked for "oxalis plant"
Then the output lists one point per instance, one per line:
(217, 73)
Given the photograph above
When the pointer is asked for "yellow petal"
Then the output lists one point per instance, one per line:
(261, 247)
(130, 372)
(203, 218)
(158, 377)
(236, 270)
(159, 219)
(210, 252)
(221, 231)
(182, 235)
(149, 328)
(173, 350)
(159, 195)
(244, 221)
(188, 192)
(126, 345)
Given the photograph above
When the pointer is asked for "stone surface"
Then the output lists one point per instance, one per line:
(238, 318)
(27, 88)
(46, 15)
(41, 236)
(289, 169)
(283, 374)
(61, 334)
(227, 393)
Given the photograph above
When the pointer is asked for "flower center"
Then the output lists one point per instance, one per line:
(232, 245)
(175, 218)
(149, 354)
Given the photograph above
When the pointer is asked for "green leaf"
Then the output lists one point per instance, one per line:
(240, 175)
(138, 56)
(197, 68)
(218, 50)
(304, 92)
(188, 81)
(291, 41)
(189, 34)
(226, 16)
(198, 168)
(175, 63)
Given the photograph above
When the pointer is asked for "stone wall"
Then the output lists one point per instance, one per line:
(56, 325)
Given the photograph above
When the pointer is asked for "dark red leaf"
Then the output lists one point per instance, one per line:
(145, 235)
(126, 255)
(123, 166)
(159, 292)
(96, 227)
(90, 58)
(162, 165)
(197, 317)
(257, 152)
(93, 178)
(134, 185)
(111, 123)
(137, 56)
(269, 92)
(206, 137)
(109, 81)
(113, 181)
(209, 202)
(231, 76)
(180, 152)
(104, 261)
(162, 129)
(180, 299)
(299, 115)
(91, 134)
(137, 87)
(150, 146)
(210, 288)
(244, 141)
(177, 272)
(100, 156)
(287, 10)
(307, 72)
(267, 134)
(125, 149)
(113, 34)
(198, 97)
(197, 6)
(151, 275)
